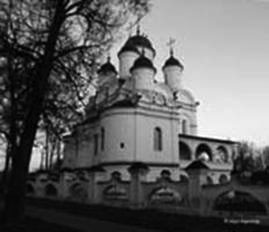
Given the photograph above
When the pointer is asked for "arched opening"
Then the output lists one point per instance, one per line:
(51, 190)
(78, 192)
(237, 201)
(30, 189)
(203, 152)
(184, 151)
(222, 154)
(223, 179)
(157, 139)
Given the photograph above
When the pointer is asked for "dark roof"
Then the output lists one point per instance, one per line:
(206, 139)
(196, 165)
(137, 41)
(172, 61)
(107, 67)
(143, 62)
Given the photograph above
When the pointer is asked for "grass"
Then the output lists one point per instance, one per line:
(151, 219)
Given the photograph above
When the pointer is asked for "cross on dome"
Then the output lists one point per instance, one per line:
(171, 44)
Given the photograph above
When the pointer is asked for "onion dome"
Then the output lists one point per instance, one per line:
(143, 62)
(140, 41)
(107, 67)
(172, 61)
(137, 41)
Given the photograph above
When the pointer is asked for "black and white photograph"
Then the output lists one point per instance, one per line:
(134, 115)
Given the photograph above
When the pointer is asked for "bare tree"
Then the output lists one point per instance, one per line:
(49, 51)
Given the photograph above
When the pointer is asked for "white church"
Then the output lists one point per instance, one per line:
(133, 118)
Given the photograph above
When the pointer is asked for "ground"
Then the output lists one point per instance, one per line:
(46, 215)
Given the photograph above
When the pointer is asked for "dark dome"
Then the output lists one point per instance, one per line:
(143, 62)
(137, 41)
(171, 61)
(107, 67)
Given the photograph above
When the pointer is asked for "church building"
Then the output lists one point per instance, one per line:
(133, 118)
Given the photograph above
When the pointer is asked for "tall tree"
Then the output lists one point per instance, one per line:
(265, 154)
(48, 51)
(244, 161)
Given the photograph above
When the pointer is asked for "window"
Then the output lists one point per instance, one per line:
(102, 139)
(122, 145)
(157, 139)
(95, 140)
(184, 127)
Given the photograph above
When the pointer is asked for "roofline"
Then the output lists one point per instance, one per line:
(207, 138)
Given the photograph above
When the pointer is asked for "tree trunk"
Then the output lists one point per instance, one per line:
(14, 202)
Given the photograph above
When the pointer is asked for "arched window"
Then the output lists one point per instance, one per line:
(95, 140)
(102, 139)
(184, 151)
(184, 126)
(157, 139)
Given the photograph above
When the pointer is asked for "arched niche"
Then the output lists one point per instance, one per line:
(115, 192)
(165, 195)
(238, 201)
(184, 151)
(203, 152)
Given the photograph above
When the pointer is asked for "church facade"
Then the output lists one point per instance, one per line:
(133, 118)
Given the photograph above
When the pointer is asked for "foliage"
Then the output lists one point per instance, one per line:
(265, 154)
(49, 52)
(248, 158)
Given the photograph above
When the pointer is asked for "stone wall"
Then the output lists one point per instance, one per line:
(190, 196)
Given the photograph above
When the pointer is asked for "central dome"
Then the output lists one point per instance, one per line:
(136, 41)
(139, 40)
(143, 62)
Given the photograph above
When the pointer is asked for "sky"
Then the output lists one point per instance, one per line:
(224, 46)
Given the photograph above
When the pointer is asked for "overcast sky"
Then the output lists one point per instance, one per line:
(224, 45)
